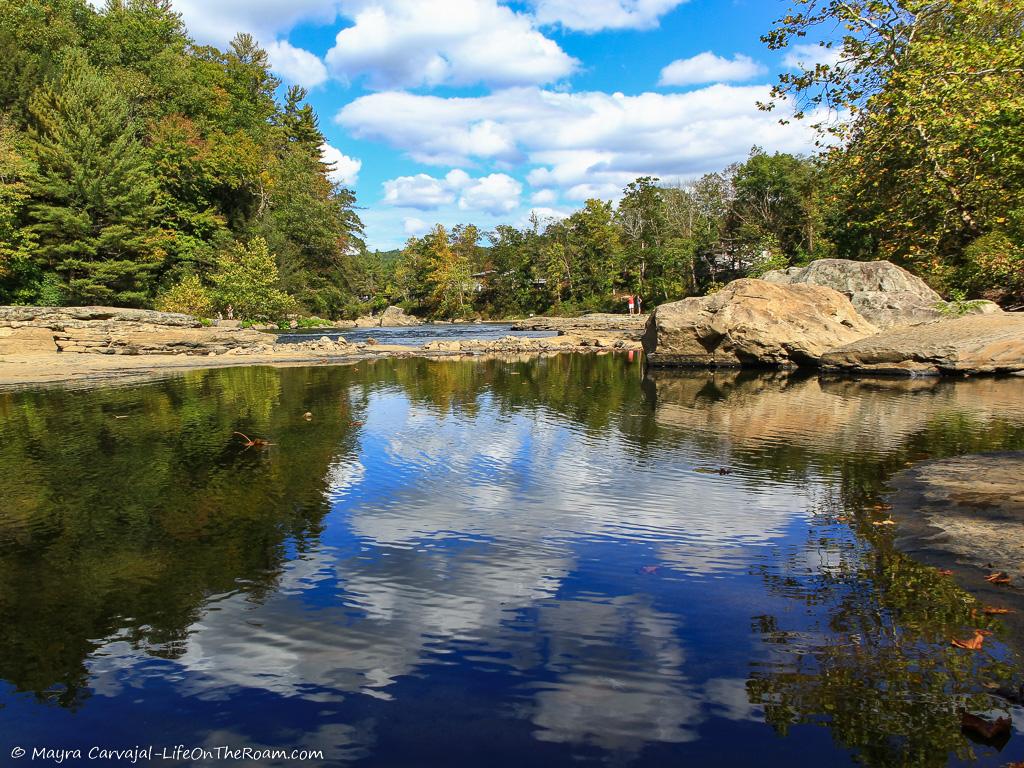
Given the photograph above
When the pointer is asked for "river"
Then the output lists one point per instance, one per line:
(415, 335)
(553, 561)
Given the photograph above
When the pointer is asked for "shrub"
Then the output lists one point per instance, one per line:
(188, 296)
(247, 280)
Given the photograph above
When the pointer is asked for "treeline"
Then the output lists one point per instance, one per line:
(659, 243)
(138, 169)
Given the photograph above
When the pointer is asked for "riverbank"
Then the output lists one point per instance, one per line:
(31, 369)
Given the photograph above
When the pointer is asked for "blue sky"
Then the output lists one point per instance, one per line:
(481, 111)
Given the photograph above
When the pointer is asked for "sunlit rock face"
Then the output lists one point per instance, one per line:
(883, 293)
(989, 344)
(753, 323)
(969, 507)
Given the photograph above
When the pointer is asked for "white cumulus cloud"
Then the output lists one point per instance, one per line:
(709, 68)
(414, 227)
(409, 43)
(296, 65)
(571, 140)
(342, 169)
(496, 193)
(424, 192)
(218, 21)
(595, 15)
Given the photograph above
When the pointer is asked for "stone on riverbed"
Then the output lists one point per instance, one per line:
(972, 344)
(755, 323)
(966, 511)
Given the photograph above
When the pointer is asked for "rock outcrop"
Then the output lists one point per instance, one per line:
(753, 323)
(628, 326)
(391, 317)
(883, 293)
(116, 331)
(965, 511)
(972, 344)
(396, 316)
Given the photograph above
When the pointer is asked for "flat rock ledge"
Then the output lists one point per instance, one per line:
(988, 344)
(628, 326)
(966, 514)
(115, 331)
(753, 323)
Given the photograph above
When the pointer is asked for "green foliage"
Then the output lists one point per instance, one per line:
(931, 155)
(91, 207)
(246, 279)
(189, 296)
(448, 270)
(130, 157)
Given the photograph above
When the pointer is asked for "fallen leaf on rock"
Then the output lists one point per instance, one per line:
(1000, 577)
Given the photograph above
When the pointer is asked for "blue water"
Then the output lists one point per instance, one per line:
(417, 335)
(470, 563)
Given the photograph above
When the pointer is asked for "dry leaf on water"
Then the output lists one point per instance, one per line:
(974, 644)
(257, 442)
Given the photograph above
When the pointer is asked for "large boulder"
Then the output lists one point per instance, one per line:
(883, 293)
(394, 316)
(971, 344)
(753, 323)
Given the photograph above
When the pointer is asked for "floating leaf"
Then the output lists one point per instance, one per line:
(974, 644)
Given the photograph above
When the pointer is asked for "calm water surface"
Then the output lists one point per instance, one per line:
(499, 563)
(416, 335)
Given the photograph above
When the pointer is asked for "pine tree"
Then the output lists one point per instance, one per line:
(92, 189)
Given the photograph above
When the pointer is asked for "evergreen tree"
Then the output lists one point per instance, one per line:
(92, 189)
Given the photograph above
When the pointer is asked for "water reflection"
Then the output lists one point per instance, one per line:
(517, 556)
